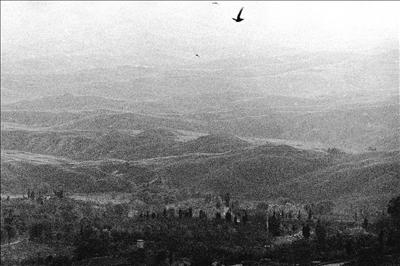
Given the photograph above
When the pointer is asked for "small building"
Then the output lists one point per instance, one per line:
(140, 243)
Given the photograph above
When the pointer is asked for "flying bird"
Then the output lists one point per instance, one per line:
(238, 19)
(215, 3)
(197, 55)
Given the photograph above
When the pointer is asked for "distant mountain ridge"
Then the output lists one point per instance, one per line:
(295, 73)
(67, 102)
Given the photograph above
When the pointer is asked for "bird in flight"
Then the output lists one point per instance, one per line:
(238, 19)
(215, 3)
(197, 55)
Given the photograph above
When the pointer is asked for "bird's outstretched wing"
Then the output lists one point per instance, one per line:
(240, 13)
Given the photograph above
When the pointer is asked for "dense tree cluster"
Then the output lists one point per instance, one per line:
(169, 235)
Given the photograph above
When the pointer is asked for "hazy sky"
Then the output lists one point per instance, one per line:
(181, 28)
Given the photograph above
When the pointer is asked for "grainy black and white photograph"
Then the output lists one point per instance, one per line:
(200, 133)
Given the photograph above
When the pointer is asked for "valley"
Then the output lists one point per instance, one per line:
(125, 145)
(254, 157)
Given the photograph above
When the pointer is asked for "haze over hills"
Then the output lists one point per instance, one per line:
(350, 126)
(306, 75)
(275, 140)
(219, 161)
(126, 103)
(87, 145)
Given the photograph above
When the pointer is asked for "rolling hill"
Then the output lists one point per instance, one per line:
(265, 172)
(21, 171)
(39, 118)
(347, 125)
(253, 166)
(90, 145)
(186, 127)
(128, 121)
(215, 143)
(368, 179)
